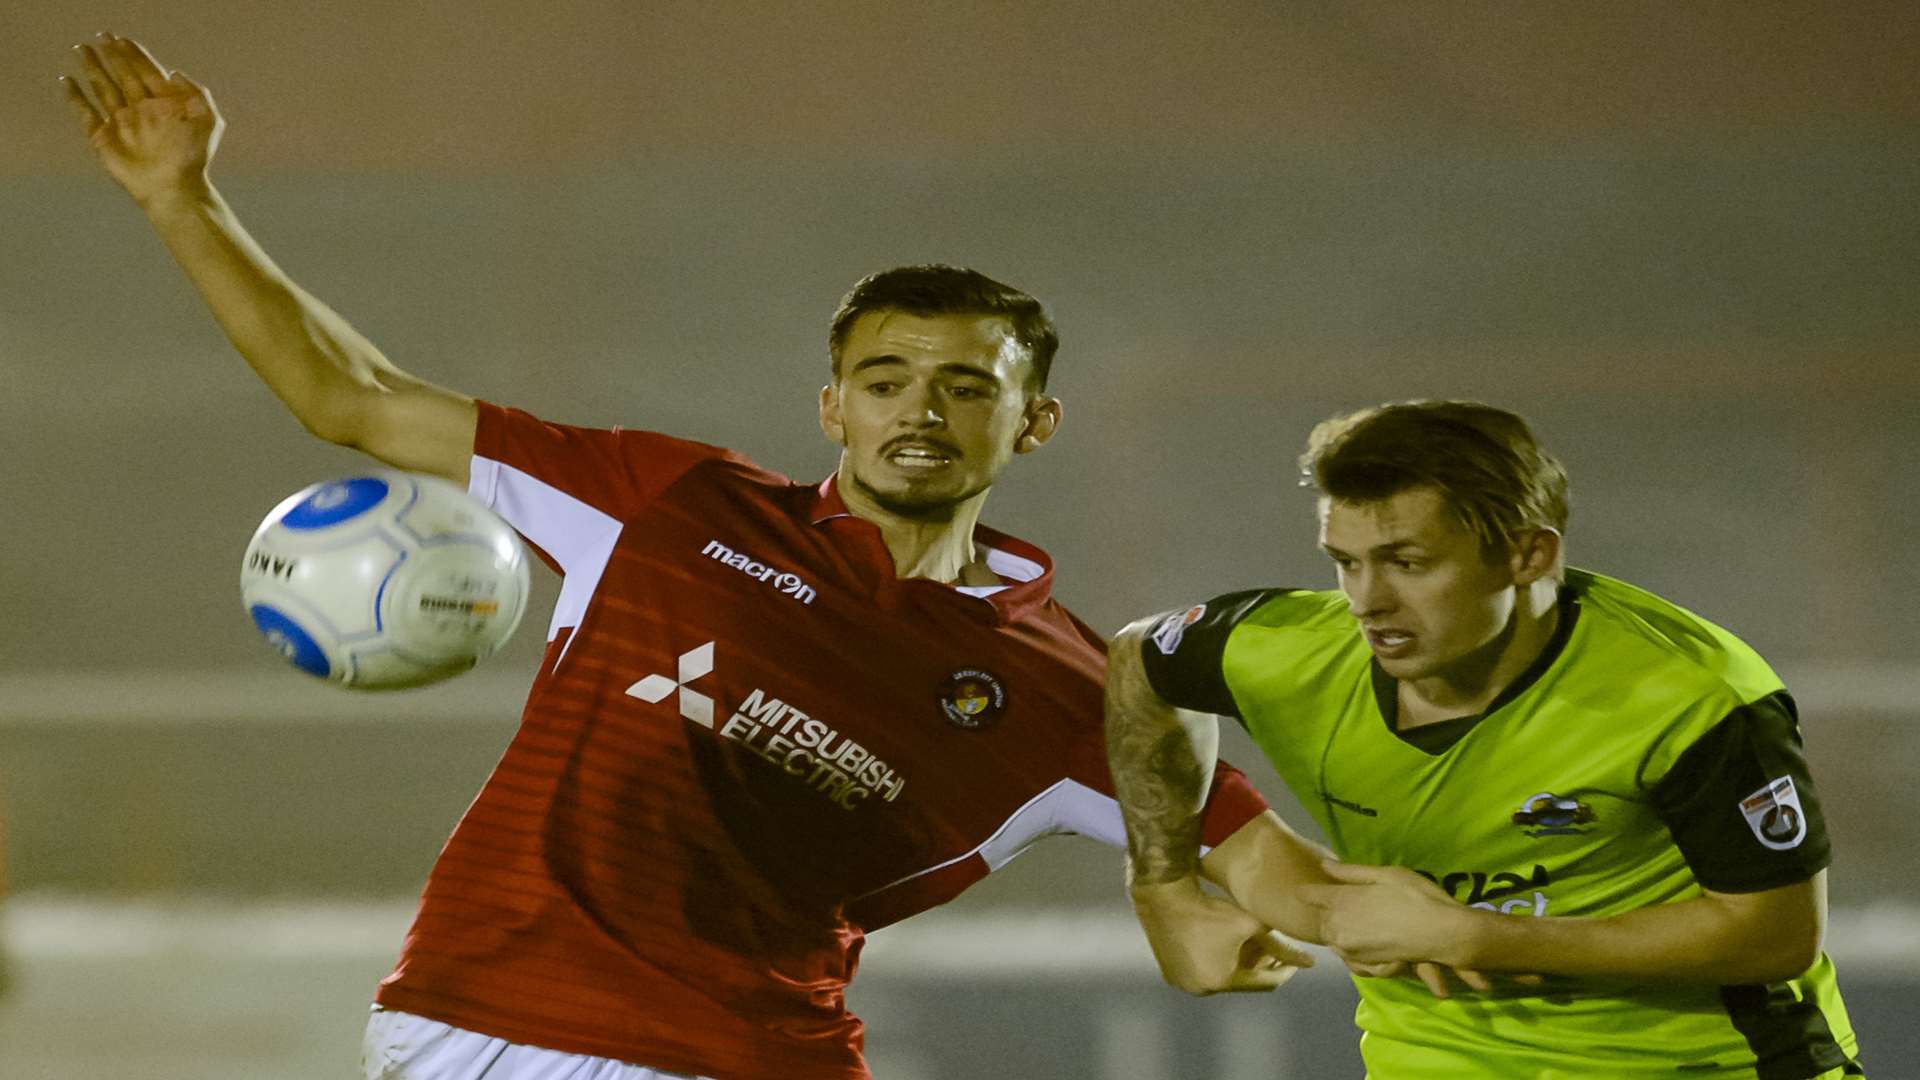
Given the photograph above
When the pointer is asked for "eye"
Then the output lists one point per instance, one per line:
(967, 393)
(882, 387)
(1410, 565)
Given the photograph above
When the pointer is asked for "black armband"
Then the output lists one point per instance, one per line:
(1741, 805)
(1182, 654)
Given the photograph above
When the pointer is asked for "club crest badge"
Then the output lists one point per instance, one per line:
(1166, 636)
(1775, 815)
(1547, 814)
(972, 698)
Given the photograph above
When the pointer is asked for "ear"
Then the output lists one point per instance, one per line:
(1535, 554)
(1043, 419)
(830, 421)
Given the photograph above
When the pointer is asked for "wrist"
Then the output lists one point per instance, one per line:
(188, 195)
(1166, 893)
(1476, 939)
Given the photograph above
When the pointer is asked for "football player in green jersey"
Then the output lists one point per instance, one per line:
(1526, 768)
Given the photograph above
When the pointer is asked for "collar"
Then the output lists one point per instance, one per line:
(1437, 738)
(1027, 570)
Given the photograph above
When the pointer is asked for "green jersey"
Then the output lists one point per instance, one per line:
(1646, 755)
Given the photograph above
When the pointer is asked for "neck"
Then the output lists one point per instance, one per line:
(938, 546)
(1472, 684)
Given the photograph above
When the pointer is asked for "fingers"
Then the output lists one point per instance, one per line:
(1267, 961)
(1275, 950)
(105, 89)
(1356, 873)
(114, 56)
(144, 68)
(1318, 896)
(1474, 979)
(1434, 977)
(199, 99)
(90, 117)
(1263, 981)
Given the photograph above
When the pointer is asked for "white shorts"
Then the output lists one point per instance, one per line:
(402, 1046)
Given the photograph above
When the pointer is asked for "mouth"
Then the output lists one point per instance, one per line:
(920, 456)
(1388, 643)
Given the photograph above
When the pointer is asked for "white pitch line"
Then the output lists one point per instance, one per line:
(270, 693)
(1879, 938)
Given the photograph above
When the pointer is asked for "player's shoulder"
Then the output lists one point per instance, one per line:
(733, 467)
(1250, 623)
(1291, 608)
(1268, 616)
(1664, 647)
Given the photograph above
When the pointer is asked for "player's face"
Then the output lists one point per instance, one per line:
(1428, 599)
(931, 408)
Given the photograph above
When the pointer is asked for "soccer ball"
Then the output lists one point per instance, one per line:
(384, 580)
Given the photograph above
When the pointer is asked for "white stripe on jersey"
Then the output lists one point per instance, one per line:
(1068, 806)
(578, 537)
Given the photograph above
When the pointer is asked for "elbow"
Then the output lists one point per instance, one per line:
(1787, 960)
(338, 418)
(1787, 952)
(326, 430)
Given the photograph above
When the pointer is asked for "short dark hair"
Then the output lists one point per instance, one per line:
(938, 289)
(1484, 462)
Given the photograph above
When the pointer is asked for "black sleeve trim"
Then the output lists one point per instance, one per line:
(1741, 805)
(1183, 654)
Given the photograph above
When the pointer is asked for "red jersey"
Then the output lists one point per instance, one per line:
(748, 744)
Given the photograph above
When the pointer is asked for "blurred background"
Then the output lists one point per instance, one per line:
(1682, 239)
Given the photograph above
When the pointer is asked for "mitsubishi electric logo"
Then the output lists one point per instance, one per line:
(694, 705)
(807, 748)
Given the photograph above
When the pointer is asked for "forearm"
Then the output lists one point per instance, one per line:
(1716, 938)
(1162, 763)
(1262, 865)
(318, 365)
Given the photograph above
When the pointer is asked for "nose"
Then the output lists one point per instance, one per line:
(922, 409)
(1368, 593)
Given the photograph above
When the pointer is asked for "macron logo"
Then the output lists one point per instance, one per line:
(787, 583)
(694, 705)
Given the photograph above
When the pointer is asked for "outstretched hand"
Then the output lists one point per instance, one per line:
(1207, 945)
(153, 130)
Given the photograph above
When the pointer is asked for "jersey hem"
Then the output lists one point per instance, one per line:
(772, 1062)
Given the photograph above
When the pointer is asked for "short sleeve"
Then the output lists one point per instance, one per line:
(1183, 654)
(1741, 804)
(567, 489)
(1232, 801)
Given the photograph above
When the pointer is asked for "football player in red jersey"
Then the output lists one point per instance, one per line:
(672, 868)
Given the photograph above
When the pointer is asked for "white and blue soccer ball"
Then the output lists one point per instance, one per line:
(384, 580)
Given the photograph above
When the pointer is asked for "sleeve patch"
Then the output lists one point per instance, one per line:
(1775, 815)
(1166, 636)
(1182, 655)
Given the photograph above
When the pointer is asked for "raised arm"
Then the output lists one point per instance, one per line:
(155, 132)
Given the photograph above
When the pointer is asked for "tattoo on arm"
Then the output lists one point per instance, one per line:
(1158, 773)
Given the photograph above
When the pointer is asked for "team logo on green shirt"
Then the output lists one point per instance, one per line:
(1547, 814)
(1775, 816)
